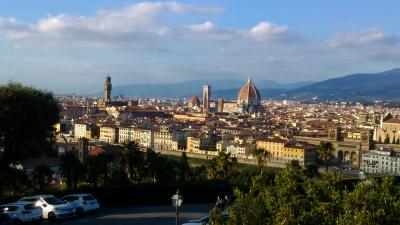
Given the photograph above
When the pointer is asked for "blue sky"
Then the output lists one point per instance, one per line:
(69, 46)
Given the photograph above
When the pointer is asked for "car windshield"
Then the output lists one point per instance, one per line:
(53, 201)
(29, 199)
(30, 206)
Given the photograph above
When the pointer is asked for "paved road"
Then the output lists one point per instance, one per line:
(157, 215)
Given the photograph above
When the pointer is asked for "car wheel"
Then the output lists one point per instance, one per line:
(51, 216)
(79, 211)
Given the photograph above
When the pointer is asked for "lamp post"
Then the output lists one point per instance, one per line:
(177, 201)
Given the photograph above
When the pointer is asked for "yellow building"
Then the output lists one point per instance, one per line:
(169, 139)
(109, 134)
(198, 142)
(273, 145)
(190, 117)
(57, 127)
(301, 152)
(283, 150)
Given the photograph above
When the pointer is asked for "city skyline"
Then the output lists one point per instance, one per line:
(69, 47)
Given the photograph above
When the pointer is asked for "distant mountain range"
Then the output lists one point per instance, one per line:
(355, 87)
(190, 88)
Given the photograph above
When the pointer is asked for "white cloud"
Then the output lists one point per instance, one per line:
(130, 24)
(136, 38)
(363, 37)
(265, 30)
(204, 27)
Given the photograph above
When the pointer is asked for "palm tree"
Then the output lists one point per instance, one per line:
(71, 168)
(221, 166)
(262, 156)
(132, 156)
(42, 176)
(326, 150)
(154, 164)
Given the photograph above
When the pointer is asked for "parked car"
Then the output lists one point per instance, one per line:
(204, 220)
(5, 219)
(20, 212)
(199, 221)
(52, 207)
(83, 202)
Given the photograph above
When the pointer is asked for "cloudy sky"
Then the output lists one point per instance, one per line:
(70, 46)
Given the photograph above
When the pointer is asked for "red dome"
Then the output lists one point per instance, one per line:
(194, 101)
(249, 93)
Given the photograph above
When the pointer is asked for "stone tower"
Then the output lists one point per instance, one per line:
(206, 98)
(107, 89)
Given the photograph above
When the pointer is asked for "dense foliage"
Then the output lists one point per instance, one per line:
(27, 117)
(291, 197)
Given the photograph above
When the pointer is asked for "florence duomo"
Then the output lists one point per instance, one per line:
(248, 101)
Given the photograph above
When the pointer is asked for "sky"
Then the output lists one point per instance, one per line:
(69, 46)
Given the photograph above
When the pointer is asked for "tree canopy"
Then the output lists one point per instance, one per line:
(27, 118)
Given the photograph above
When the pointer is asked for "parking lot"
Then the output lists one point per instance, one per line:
(149, 215)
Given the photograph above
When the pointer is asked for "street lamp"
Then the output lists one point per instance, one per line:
(177, 201)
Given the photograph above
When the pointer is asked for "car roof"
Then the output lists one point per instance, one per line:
(35, 196)
(16, 204)
(78, 195)
(39, 196)
(43, 196)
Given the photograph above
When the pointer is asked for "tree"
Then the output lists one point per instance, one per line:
(326, 150)
(93, 168)
(221, 166)
(262, 156)
(184, 170)
(311, 170)
(153, 164)
(372, 202)
(13, 180)
(72, 169)
(133, 158)
(27, 117)
(42, 176)
(100, 168)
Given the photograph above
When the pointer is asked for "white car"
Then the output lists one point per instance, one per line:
(52, 207)
(82, 202)
(204, 220)
(20, 212)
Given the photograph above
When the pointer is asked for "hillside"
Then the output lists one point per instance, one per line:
(228, 88)
(356, 87)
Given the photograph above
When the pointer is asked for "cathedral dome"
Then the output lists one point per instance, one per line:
(194, 101)
(249, 94)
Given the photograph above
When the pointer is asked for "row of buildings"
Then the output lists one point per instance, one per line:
(202, 141)
(288, 130)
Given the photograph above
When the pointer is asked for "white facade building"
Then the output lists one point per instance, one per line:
(80, 130)
(238, 151)
(381, 161)
(146, 138)
(127, 133)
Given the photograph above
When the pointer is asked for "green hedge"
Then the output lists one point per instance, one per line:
(147, 194)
